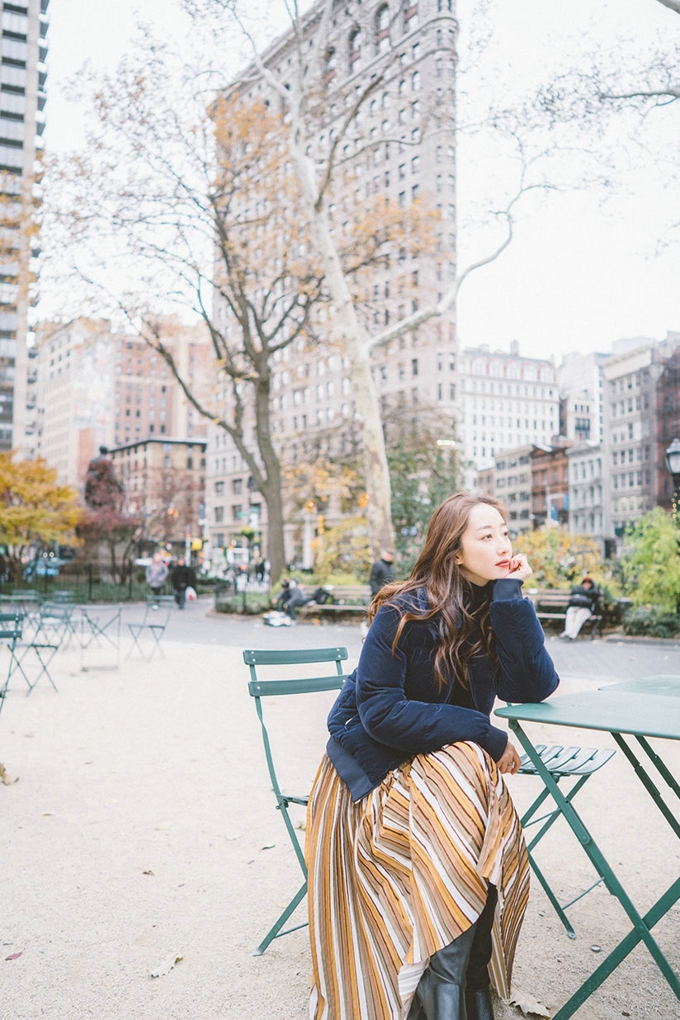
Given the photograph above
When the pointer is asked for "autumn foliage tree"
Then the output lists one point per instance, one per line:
(201, 197)
(105, 521)
(651, 561)
(560, 559)
(34, 511)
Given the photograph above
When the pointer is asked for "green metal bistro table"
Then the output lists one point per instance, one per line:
(636, 709)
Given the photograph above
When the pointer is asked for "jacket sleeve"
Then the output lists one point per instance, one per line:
(414, 727)
(527, 672)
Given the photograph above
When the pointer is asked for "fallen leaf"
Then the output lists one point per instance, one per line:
(4, 777)
(529, 1006)
(164, 968)
(14, 956)
(148, 872)
(269, 846)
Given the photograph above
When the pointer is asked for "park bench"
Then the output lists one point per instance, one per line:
(345, 598)
(552, 604)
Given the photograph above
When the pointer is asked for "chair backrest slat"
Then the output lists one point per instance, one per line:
(292, 656)
(304, 685)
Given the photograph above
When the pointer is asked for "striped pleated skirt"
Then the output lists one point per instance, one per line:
(401, 873)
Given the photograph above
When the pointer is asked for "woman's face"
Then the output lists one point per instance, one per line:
(485, 548)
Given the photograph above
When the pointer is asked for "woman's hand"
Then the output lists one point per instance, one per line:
(519, 567)
(509, 761)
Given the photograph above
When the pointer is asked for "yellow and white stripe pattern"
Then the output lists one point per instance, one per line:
(399, 874)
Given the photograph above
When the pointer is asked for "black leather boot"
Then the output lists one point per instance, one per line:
(479, 1005)
(477, 993)
(441, 990)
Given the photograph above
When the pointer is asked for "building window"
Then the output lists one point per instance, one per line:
(219, 488)
(410, 15)
(382, 29)
(236, 512)
(354, 49)
(219, 514)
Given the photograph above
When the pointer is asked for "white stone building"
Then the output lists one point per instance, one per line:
(586, 491)
(579, 378)
(506, 401)
(402, 148)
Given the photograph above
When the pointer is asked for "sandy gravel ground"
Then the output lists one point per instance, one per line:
(142, 829)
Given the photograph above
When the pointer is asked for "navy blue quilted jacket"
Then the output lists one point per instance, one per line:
(390, 707)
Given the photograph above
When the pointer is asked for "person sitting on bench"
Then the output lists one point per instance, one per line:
(581, 606)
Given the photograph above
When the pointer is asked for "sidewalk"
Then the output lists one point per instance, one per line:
(142, 828)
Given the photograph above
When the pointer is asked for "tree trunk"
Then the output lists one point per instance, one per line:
(357, 348)
(271, 489)
(16, 570)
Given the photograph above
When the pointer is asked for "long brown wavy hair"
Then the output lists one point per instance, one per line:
(464, 631)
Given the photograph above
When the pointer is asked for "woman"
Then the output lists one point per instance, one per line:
(418, 873)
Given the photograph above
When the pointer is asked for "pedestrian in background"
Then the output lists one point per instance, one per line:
(182, 578)
(382, 571)
(156, 573)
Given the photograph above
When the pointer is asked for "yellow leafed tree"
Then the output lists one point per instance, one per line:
(34, 510)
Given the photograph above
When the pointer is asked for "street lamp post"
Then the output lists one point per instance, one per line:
(308, 536)
(672, 458)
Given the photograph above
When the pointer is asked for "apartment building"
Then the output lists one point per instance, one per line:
(506, 401)
(550, 483)
(76, 387)
(633, 429)
(668, 416)
(23, 77)
(102, 388)
(580, 382)
(586, 491)
(402, 147)
(164, 482)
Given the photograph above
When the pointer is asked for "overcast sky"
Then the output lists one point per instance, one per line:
(582, 271)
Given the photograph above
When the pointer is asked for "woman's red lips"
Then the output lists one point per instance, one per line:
(503, 563)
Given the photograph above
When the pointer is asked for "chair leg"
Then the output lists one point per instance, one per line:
(275, 931)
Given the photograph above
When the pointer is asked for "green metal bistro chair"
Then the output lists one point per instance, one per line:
(100, 628)
(10, 635)
(55, 623)
(578, 763)
(44, 635)
(155, 620)
(260, 689)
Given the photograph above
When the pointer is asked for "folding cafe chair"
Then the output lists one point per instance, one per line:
(155, 620)
(10, 634)
(577, 763)
(260, 689)
(52, 629)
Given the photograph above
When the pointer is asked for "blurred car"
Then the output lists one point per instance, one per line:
(46, 566)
